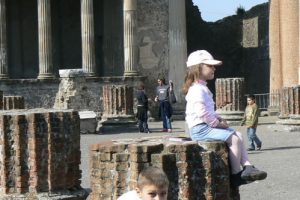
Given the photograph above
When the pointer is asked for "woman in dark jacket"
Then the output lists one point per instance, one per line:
(163, 93)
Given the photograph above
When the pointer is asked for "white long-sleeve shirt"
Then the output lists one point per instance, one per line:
(131, 195)
(200, 107)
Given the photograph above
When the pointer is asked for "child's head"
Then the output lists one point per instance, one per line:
(201, 66)
(250, 99)
(153, 184)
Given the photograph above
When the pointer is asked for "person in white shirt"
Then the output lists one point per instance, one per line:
(206, 125)
(152, 184)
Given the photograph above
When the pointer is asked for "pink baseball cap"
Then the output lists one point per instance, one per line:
(201, 57)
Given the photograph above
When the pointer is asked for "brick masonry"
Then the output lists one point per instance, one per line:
(196, 171)
(290, 101)
(40, 154)
(13, 102)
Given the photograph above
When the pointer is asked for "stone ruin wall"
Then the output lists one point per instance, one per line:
(42, 93)
(196, 171)
(153, 20)
(242, 43)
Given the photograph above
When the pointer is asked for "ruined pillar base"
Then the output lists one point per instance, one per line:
(291, 124)
(193, 169)
(273, 111)
(233, 118)
(79, 194)
(108, 124)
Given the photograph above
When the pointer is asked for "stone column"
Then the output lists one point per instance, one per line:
(88, 39)
(130, 37)
(45, 40)
(289, 33)
(3, 42)
(276, 81)
(230, 99)
(177, 45)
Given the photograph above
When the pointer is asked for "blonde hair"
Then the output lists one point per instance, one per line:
(152, 176)
(193, 73)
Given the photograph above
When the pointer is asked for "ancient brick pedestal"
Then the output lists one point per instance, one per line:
(13, 102)
(40, 155)
(195, 171)
(274, 103)
(290, 108)
(117, 106)
(230, 99)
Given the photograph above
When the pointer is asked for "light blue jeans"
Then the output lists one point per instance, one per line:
(252, 138)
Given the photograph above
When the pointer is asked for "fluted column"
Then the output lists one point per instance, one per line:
(88, 38)
(45, 40)
(289, 23)
(130, 37)
(276, 82)
(3, 43)
(177, 44)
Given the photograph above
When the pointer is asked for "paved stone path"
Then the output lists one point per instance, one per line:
(280, 157)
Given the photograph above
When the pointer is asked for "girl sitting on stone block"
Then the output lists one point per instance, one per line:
(206, 125)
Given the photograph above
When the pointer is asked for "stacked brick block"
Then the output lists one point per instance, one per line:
(230, 99)
(117, 100)
(40, 153)
(11, 102)
(117, 107)
(194, 171)
(290, 102)
(230, 94)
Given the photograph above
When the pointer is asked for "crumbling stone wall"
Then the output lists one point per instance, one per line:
(42, 93)
(240, 41)
(196, 171)
(39, 154)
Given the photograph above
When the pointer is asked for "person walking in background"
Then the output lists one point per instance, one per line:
(250, 120)
(206, 125)
(152, 184)
(142, 109)
(163, 94)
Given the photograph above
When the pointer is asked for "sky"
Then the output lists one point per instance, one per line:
(213, 10)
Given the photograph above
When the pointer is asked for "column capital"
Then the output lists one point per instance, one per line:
(130, 5)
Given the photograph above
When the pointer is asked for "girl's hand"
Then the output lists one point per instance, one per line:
(223, 124)
(156, 98)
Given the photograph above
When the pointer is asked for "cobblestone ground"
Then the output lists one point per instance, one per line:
(280, 157)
